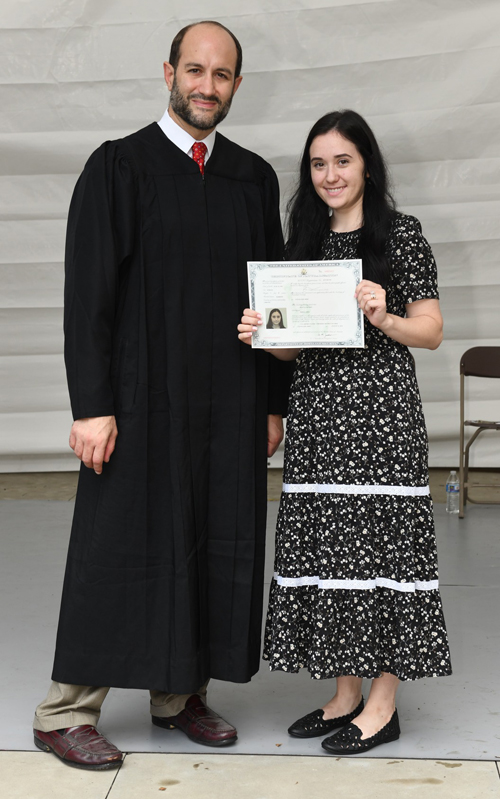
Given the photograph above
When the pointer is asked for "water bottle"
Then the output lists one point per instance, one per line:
(452, 493)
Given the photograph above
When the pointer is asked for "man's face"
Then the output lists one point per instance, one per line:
(203, 85)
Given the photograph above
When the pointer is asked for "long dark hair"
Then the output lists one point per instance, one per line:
(309, 219)
(270, 321)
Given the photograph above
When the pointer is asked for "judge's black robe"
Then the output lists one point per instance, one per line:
(164, 578)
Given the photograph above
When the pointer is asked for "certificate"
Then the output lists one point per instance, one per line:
(306, 303)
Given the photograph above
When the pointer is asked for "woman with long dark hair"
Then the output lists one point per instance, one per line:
(275, 320)
(355, 591)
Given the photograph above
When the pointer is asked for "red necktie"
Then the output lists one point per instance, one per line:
(199, 152)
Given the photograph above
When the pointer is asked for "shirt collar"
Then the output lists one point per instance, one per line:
(181, 138)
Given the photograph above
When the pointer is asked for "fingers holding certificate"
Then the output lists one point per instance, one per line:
(303, 304)
(248, 325)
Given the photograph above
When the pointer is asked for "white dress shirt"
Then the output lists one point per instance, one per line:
(182, 139)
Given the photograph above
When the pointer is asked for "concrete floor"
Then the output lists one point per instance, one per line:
(38, 776)
(450, 727)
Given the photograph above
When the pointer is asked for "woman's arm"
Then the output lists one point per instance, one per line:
(422, 326)
(287, 354)
(249, 324)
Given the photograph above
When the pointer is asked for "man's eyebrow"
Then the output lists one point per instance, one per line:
(200, 66)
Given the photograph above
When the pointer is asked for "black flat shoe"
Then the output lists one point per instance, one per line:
(313, 725)
(347, 741)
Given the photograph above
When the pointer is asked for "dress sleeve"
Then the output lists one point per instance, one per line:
(99, 240)
(412, 261)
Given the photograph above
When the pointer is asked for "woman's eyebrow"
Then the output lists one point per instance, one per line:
(340, 155)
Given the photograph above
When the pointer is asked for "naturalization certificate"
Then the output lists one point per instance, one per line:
(306, 303)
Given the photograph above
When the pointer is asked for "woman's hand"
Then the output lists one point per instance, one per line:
(250, 322)
(371, 300)
(422, 326)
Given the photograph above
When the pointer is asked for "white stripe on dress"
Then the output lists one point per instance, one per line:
(358, 585)
(337, 488)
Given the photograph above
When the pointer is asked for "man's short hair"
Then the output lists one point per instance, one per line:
(175, 48)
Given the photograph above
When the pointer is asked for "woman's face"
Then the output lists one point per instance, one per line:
(337, 171)
(276, 318)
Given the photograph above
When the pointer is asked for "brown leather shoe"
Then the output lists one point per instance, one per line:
(201, 724)
(81, 747)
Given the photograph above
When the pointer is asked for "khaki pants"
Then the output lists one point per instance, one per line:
(71, 705)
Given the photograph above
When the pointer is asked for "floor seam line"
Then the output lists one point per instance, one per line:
(116, 775)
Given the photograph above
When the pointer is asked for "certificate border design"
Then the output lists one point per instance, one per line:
(353, 264)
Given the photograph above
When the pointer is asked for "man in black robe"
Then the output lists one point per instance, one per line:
(164, 578)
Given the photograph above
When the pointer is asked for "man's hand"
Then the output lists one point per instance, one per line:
(274, 433)
(93, 440)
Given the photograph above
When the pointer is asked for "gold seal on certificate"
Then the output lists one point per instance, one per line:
(306, 303)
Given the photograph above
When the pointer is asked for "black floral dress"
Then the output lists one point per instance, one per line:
(355, 588)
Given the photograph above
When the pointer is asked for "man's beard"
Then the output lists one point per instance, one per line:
(180, 105)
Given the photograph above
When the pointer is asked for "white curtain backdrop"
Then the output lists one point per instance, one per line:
(426, 75)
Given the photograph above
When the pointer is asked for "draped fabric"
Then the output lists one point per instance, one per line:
(75, 73)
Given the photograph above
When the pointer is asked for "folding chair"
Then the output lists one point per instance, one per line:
(476, 362)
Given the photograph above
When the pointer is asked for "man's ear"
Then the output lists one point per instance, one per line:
(169, 73)
(237, 84)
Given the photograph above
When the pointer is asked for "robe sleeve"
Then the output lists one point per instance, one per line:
(99, 240)
(280, 372)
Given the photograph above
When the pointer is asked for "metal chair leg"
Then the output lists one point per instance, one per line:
(461, 496)
(466, 464)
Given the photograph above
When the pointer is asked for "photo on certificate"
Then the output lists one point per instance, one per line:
(306, 303)
(276, 318)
